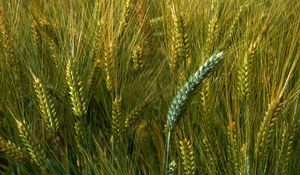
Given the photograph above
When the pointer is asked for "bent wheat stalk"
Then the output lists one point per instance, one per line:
(183, 96)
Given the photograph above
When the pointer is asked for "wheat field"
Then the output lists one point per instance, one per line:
(150, 87)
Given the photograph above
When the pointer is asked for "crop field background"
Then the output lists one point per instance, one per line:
(121, 87)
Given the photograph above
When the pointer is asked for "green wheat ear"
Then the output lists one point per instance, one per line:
(182, 97)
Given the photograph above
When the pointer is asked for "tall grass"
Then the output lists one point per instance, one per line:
(99, 87)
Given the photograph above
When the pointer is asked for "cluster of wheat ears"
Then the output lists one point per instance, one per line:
(150, 87)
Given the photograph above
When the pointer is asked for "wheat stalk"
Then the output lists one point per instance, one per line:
(183, 96)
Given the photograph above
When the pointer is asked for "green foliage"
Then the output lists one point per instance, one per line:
(97, 87)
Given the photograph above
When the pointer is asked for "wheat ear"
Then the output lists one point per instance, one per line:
(281, 151)
(108, 67)
(141, 14)
(180, 48)
(35, 150)
(11, 150)
(5, 37)
(76, 90)
(46, 106)
(36, 36)
(183, 96)
(210, 154)
(235, 20)
(124, 17)
(232, 148)
(136, 58)
(94, 77)
(267, 128)
(172, 168)
(133, 116)
(10, 60)
(244, 71)
(188, 157)
(287, 146)
(116, 118)
(212, 33)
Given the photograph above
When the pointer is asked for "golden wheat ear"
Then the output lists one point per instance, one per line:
(188, 157)
(78, 99)
(11, 150)
(47, 109)
(35, 150)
